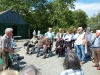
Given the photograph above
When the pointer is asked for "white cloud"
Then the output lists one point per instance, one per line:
(89, 8)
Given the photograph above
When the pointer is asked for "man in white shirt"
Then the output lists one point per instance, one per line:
(59, 34)
(80, 42)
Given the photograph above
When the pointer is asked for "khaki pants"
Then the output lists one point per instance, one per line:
(96, 56)
(6, 59)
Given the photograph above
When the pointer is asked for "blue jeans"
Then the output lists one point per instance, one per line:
(81, 52)
(33, 49)
(38, 49)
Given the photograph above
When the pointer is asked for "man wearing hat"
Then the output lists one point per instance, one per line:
(80, 42)
(97, 50)
(50, 34)
(32, 42)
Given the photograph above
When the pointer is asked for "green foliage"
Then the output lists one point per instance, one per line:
(80, 18)
(55, 29)
(72, 29)
(59, 13)
(41, 14)
(94, 22)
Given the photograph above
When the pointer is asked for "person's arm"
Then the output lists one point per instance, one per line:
(93, 38)
(6, 50)
(53, 35)
(56, 44)
(36, 41)
(76, 36)
(84, 39)
(56, 35)
(31, 40)
(64, 34)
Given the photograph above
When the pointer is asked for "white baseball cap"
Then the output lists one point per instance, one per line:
(80, 28)
(50, 28)
(97, 30)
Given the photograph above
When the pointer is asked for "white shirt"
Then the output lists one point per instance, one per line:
(76, 35)
(72, 72)
(58, 34)
(68, 37)
(80, 39)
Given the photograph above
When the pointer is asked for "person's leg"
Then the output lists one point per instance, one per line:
(27, 50)
(28, 46)
(75, 47)
(96, 60)
(38, 50)
(56, 50)
(68, 48)
(70, 45)
(33, 49)
(93, 53)
(45, 51)
(49, 50)
(88, 50)
(61, 51)
(4, 57)
(98, 54)
(78, 51)
(73, 44)
(83, 53)
(9, 62)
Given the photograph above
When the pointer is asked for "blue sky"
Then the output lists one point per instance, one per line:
(88, 1)
(91, 7)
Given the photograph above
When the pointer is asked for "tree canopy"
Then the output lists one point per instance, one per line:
(80, 18)
(94, 22)
(42, 14)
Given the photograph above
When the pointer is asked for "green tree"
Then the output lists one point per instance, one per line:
(94, 22)
(33, 11)
(80, 18)
(41, 14)
(59, 13)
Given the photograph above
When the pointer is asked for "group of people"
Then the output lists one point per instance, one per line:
(84, 41)
(5, 49)
(81, 41)
(44, 43)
